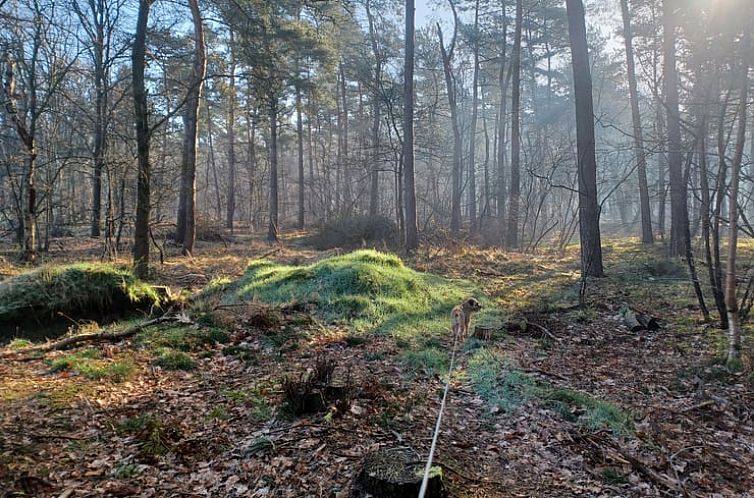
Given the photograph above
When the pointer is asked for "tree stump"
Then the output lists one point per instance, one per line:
(484, 333)
(397, 473)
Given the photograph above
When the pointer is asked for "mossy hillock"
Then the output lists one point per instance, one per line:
(366, 290)
(44, 294)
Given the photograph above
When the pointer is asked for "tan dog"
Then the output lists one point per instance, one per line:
(461, 315)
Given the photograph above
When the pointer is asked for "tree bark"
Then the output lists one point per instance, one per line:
(374, 185)
(230, 212)
(515, 187)
(647, 237)
(731, 301)
(272, 228)
(191, 129)
(300, 138)
(141, 116)
(503, 79)
(679, 216)
(589, 209)
(411, 227)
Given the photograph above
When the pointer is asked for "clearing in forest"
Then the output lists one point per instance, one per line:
(280, 376)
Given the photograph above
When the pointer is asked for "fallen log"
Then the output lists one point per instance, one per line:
(75, 340)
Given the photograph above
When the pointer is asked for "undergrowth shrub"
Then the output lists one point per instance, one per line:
(356, 231)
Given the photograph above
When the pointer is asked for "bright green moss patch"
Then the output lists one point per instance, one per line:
(88, 363)
(367, 290)
(71, 289)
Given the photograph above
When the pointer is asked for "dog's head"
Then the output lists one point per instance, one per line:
(472, 304)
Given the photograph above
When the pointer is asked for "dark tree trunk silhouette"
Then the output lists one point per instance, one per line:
(143, 208)
(411, 226)
(230, 213)
(589, 209)
(511, 238)
(679, 216)
(272, 227)
(191, 129)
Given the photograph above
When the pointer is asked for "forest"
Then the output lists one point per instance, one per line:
(376, 248)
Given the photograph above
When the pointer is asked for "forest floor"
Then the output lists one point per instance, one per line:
(574, 404)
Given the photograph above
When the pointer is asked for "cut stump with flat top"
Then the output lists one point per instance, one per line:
(397, 473)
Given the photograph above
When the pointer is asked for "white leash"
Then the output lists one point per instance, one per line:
(425, 480)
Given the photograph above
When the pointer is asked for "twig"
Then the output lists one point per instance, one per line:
(544, 330)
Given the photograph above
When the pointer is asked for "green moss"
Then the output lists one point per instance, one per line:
(71, 289)
(88, 363)
(170, 359)
(182, 337)
(588, 410)
(369, 290)
(506, 387)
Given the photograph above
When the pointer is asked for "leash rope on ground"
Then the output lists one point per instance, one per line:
(428, 467)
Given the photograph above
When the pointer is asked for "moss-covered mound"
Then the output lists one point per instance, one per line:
(43, 294)
(366, 290)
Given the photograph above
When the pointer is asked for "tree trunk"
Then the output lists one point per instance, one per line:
(589, 209)
(141, 229)
(374, 185)
(503, 80)
(515, 187)
(272, 228)
(231, 206)
(472, 130)
(100, 120)
(678, 191)
(412, 228)
(191, 129)
(647, 237)
(447, 58)
(731, 301)
(300, 137)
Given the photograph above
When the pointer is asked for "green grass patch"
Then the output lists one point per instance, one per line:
(429, 361)
(171, 359)
(506, 387)
(88, 363)
(219, 413)
(182, 337)
(20, 344)
(580, 407)
(370, 291)
(497, 382)
(71, 289)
